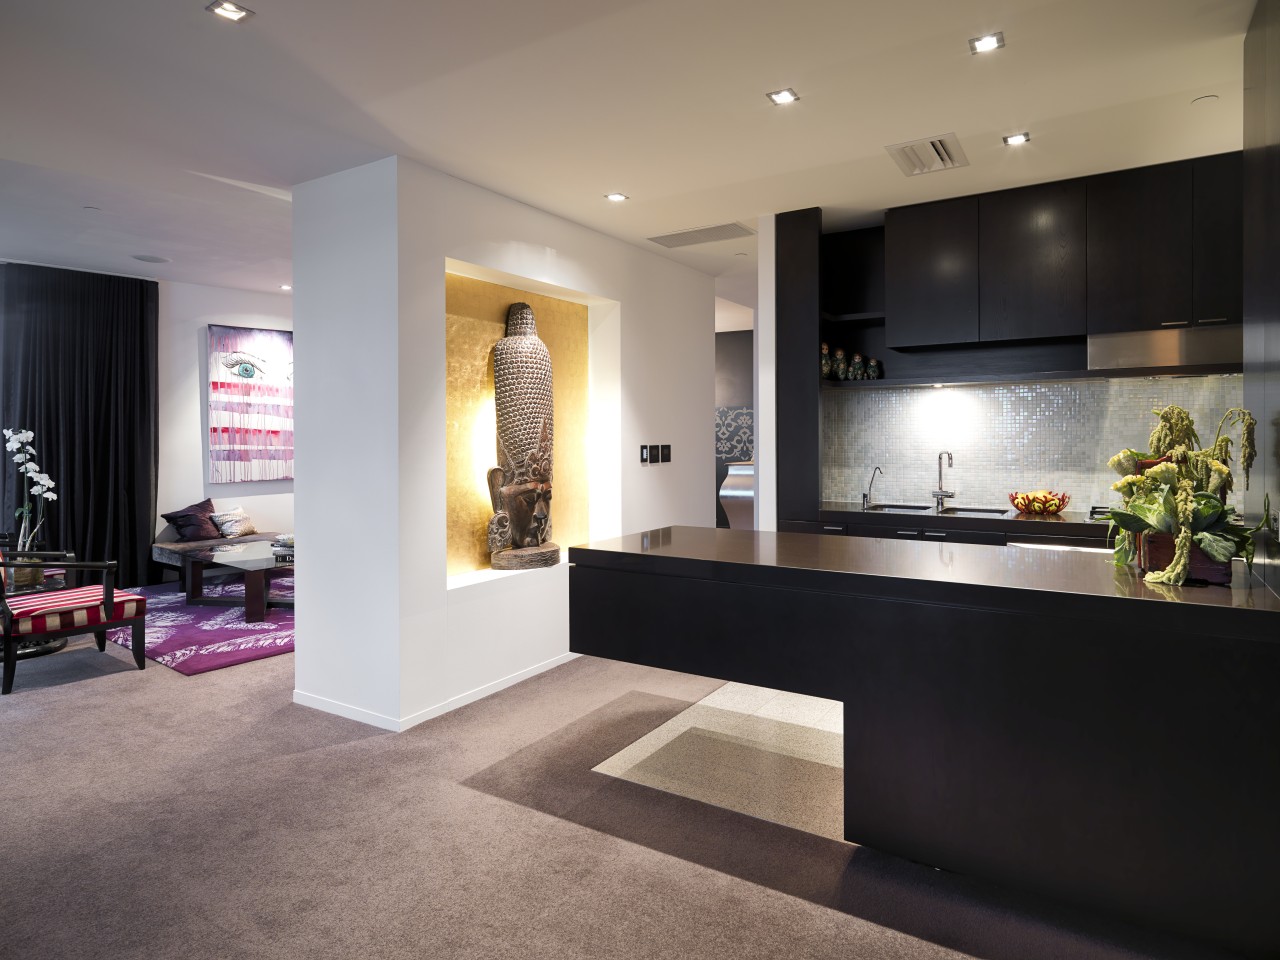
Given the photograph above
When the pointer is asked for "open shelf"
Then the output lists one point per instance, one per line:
(1200, 370)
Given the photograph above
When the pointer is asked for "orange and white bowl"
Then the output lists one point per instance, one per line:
(1039, 501)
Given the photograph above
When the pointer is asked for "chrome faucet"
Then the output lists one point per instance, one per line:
(940, 494)
(866, 497)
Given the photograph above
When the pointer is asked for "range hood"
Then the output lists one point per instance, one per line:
(1169, 348)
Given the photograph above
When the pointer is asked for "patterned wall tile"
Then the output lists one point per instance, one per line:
(734, 438)
(1004, 437)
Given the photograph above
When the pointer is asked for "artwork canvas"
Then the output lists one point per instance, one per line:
(250, 404)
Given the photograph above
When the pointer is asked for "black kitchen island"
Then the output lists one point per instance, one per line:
(1037, 717)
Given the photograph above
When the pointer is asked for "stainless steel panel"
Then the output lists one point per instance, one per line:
(1170, 347)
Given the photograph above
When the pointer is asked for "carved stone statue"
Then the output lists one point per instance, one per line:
(520, 529)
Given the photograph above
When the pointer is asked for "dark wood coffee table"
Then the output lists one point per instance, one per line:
(256, 560)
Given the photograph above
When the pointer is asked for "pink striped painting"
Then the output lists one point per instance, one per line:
(250, 404)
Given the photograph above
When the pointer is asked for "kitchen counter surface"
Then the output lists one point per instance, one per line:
(1066, 580)
(1069, 523)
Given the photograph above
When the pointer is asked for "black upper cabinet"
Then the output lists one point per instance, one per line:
(1032, 255)
(853, 273)
(1140, 250)
(931, 273)
(1218, 281)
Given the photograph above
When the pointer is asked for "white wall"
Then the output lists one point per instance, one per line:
(766, 382)
(357, 282)
(186, 310)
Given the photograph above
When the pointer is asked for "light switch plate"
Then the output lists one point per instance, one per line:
(644, 453)
(666, 453)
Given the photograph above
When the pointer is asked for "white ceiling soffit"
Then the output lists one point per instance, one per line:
(731, 317)
(540, 102)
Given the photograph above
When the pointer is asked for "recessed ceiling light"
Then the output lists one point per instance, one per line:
(781, 98)
(229, 11)
(151, 258)
(286, 286)
(616, 197)
(1205, 100)
(985, 44)
(1016, 139)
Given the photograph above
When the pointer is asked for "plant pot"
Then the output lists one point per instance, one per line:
(25, 578)
(1155, 552)
(1145, 465)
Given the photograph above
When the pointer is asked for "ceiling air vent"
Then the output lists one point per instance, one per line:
(687, 238)
(929, 155)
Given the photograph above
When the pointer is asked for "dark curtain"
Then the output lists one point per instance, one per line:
(78, 367)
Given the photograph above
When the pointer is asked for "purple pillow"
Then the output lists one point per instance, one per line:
(193, 523)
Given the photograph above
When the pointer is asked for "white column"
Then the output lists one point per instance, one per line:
(765, 358)
(347, 303)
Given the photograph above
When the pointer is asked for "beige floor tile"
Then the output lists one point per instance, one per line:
(796, 708)
(833, 720)
(740, 697)
(749, 779)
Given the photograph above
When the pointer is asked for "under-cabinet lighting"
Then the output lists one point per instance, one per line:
(1016, 139)
(781, 98)
(229, 11)
(992, 41)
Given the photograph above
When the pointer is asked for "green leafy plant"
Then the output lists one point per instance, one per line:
(1180, 490)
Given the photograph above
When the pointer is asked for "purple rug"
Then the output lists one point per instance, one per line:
(197, 639)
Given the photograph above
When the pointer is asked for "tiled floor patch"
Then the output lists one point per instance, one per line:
(761, 752)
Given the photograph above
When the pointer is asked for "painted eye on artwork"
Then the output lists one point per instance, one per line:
(243, 365)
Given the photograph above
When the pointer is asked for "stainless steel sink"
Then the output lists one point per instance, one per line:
(897, 507)
(974, 511)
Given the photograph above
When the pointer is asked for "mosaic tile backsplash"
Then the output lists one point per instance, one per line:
(1004, 437)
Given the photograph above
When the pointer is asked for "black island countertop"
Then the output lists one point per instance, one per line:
(1048, 579)
(1031, 714)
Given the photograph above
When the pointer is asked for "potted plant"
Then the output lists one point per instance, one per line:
(1175, 519)
(30, 515)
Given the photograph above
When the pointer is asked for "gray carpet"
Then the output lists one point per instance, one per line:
(151, 815)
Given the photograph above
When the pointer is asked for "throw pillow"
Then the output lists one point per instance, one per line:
(234, 523)
(192, 523)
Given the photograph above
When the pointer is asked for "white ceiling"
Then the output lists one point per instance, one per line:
(188, 131)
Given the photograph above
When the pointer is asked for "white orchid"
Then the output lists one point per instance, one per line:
(37, 483)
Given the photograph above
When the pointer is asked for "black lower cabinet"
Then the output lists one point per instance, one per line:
(811, 526)
(991, 537)
(889, 533)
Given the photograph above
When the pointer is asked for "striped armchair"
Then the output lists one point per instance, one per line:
(62, 613)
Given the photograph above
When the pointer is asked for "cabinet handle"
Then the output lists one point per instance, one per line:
(1176, 323)
(837, 529)
(907, 533)
(934, 533)
(1213, 320)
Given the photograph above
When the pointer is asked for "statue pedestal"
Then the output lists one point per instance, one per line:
(526, 558)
